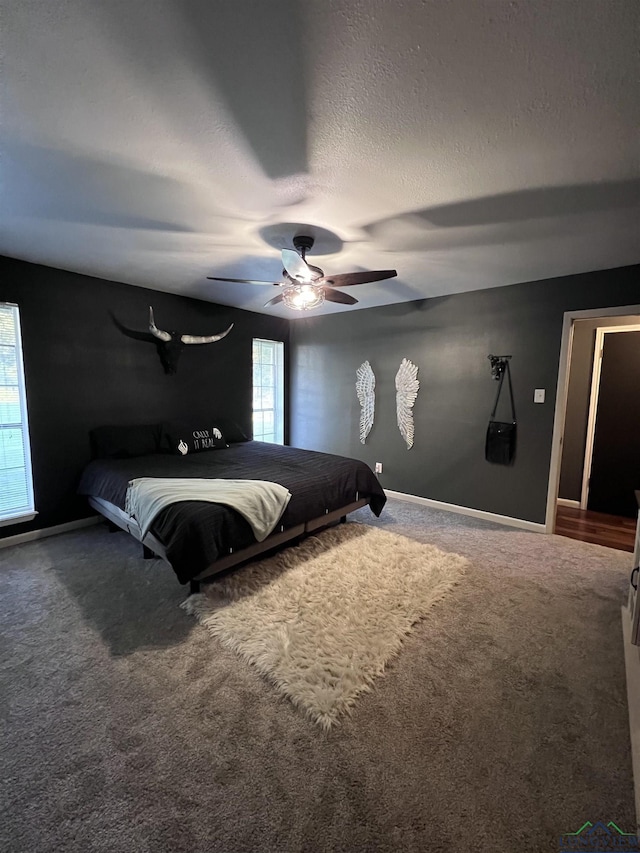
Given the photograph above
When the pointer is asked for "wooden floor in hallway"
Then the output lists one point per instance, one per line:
(613, 531)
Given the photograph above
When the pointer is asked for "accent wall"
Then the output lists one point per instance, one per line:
(81, 371)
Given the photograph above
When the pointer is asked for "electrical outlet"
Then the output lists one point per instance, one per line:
(378, 467)
(538, 395)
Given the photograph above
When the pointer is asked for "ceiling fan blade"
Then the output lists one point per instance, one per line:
(243, 280)
(275, 300)
(295, 266)
(337, 296)
(348, 278)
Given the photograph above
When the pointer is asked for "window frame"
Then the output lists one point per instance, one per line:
(27, 512)
(278, 390)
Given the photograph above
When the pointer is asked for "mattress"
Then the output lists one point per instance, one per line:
(194, 534)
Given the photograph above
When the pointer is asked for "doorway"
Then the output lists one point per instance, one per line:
(577, 422)
(612, 459)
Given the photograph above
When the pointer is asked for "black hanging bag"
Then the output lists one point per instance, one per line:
(500, 444)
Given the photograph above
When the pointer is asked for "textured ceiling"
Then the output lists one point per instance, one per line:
(467, 143)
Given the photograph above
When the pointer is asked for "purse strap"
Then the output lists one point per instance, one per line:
(495, 405)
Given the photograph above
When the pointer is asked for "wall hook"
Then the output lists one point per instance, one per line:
(498, 364)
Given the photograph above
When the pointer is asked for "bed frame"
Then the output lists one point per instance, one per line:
(152, 547)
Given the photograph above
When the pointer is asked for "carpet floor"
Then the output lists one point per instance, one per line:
(501, 725)
(323, 618)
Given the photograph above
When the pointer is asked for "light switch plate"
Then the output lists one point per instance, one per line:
(538, 395)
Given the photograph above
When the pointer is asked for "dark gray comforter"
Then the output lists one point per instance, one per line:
(195, 534)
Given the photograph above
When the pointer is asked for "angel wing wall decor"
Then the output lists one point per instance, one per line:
(366, 391)
(407, 386)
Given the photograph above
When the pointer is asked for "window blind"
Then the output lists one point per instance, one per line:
(16, 487)
(268, 391)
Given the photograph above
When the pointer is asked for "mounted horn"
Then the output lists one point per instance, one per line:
(170, 344)
(205, 339)
(155, 331)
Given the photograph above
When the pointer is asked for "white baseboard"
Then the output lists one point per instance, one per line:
(568, 502)
(44, 532)
(465, 510)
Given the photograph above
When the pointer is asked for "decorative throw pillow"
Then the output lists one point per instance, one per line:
(184, 438)
(123, 442)
(230, 429)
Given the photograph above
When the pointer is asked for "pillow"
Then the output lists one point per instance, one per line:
(230, 429)
(184, 438)
(123, 442)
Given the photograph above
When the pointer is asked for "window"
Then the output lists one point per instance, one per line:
(16, 485)
(268, 391)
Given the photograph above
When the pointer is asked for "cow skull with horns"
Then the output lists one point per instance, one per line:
(170, 344)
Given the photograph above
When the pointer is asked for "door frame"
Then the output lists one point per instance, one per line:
(593, 403)
(561, 397)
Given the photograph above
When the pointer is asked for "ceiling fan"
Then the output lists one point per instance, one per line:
(304, 286)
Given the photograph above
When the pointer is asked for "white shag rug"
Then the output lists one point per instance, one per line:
(322, 619)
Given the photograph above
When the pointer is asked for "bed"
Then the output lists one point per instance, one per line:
(199, 538)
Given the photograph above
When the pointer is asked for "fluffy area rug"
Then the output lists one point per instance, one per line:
(321, 620)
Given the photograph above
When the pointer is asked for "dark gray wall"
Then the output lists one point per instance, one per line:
(449, 339)
(81, 371)
(578, 396)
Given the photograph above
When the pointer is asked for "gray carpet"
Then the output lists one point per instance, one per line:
(126, 728)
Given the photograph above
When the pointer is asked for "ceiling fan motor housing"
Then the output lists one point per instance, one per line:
(303, 243)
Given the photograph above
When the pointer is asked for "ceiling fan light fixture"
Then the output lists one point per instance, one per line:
(304, 287)
(303, 297)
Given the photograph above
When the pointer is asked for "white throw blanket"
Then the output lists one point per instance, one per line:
(259, 501)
